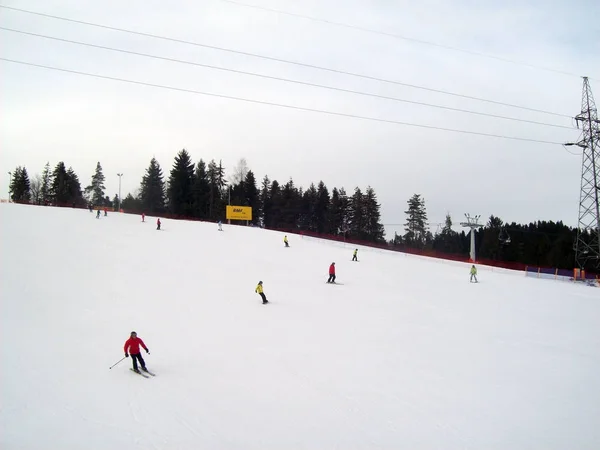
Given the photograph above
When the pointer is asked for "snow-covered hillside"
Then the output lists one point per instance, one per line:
(404, 354)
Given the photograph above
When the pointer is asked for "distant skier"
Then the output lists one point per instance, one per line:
(143, 217)
(132, 347)
(259, 290)
(331, 273)
(355, 255)
(158, 223)
(285, 241)
(220, 225)
(98, 214)
(105, 211)
(91, 207)
(473, 274)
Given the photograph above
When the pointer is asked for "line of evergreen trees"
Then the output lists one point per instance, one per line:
(540, 244)
(202, 191)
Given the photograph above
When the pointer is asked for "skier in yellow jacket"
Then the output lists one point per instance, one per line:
(259, 291)
(285, 241)
(473, 273)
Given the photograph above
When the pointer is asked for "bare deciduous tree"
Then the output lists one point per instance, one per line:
(240, 172)
(36, 189)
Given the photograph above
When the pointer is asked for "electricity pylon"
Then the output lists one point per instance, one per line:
(587, 245)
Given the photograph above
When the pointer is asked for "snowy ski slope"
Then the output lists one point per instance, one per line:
(405, 354)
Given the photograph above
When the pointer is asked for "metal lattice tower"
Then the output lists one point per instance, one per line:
(587, 246)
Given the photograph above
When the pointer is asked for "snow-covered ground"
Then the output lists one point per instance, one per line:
(405, 354)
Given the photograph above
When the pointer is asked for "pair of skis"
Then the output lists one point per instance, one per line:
(143, 373)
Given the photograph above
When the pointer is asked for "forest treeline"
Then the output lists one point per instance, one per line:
(202, 190)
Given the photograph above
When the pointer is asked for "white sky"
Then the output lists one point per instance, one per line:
(54, 116)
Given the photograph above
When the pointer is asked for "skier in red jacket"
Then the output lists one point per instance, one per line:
(132, 346)
(331, 273)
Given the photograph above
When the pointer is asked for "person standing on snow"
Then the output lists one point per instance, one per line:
(132, 347)
(355, 255)
(331, 273)
(259, 291)
(143, 217)
(285, 241)
(98, 214)
(158, 223)
(473, 273)
(220, 226)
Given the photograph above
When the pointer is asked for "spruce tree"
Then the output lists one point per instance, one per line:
(20, 189)
(73, 188)
(217, 192)
(374, 230)
(309, 219)
(59, 188)
(334, 218)
(289, 206)
(180, 192)
(322, 207)
(416, 224)
(95, 191)
(265, 207)
(201, 191)
(252, 195)
(152, 190)
(274, 202)
(132, 204)
(357, 218)
(45, 186)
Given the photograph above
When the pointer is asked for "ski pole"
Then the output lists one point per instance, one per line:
(117, 362)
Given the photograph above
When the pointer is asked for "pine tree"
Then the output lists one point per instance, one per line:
(45, 187)
(416, 225)
(201, 191)
(373, 228)
(59, 188)
(20, 189)
(181, 182)
(152, 190)
(95, 191)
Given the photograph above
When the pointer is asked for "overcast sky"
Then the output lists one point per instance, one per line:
(53, 116)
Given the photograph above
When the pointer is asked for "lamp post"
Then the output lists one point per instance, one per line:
(9, 183)
(119, 175)
(229, 220)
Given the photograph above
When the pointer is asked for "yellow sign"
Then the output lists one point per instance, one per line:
(238, 212)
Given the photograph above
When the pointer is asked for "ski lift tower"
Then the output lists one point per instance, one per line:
(473, 224)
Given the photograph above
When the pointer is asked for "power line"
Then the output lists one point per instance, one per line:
(333, 88)
(279, 105)
(398, 36)
(285, 61)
